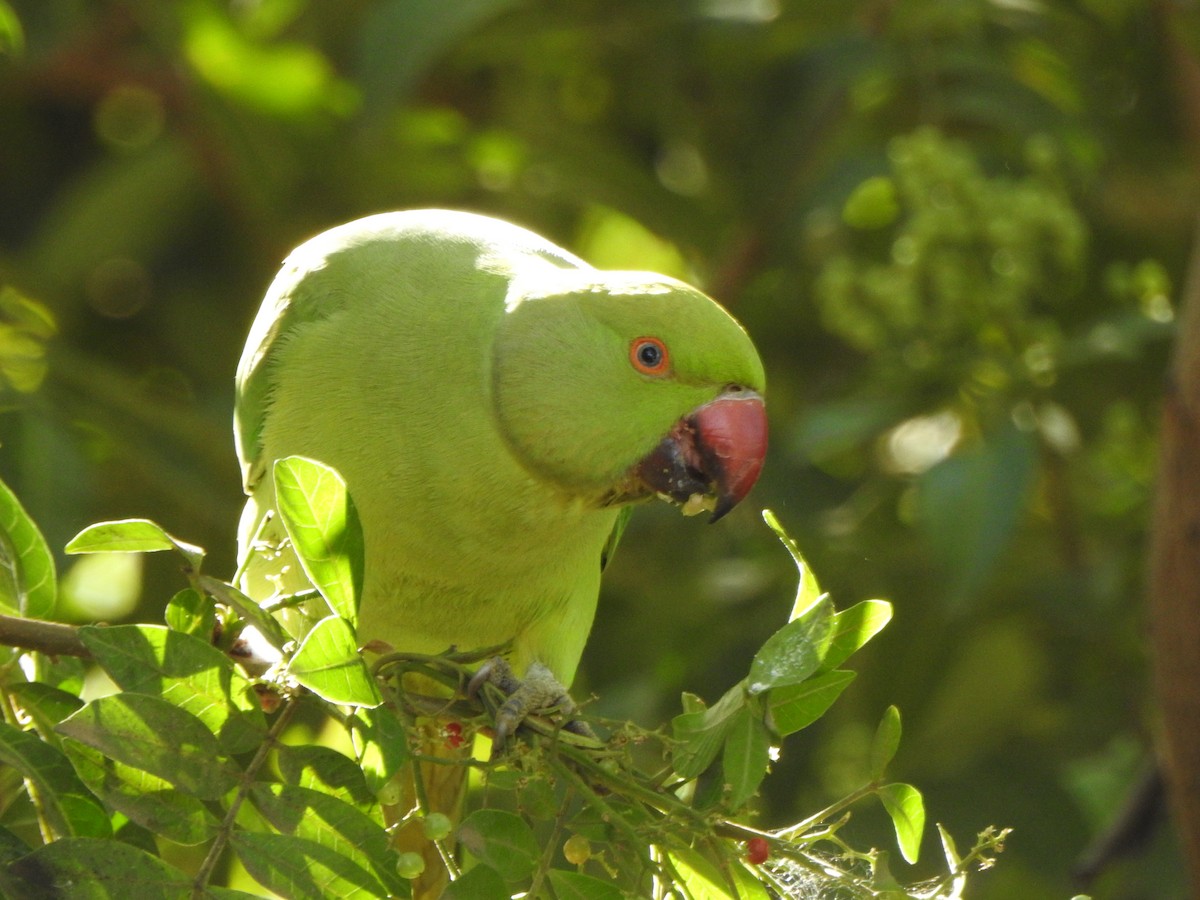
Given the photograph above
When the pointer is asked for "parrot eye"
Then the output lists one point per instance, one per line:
(649, 355)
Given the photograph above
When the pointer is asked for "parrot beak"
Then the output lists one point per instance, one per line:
(711, 457)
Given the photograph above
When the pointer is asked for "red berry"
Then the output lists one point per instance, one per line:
(454, 736)
(757, 850)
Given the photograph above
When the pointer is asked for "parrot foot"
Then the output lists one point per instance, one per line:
(538, 691)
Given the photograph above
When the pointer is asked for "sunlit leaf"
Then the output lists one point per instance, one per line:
(27, 579)
(906, 807)
(328, 664)
(192, 613)
(885, 743)
(133, 536)
(853, 627)
(797, 706)
(320, 518)
(324, 769)
(479, 883)
(808, 591)
(381, 743)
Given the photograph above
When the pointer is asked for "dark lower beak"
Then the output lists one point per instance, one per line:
(712, 457)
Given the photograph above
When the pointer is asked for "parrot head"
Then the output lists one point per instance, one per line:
(620, 386)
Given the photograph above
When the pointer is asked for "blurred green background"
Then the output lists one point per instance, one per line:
(956, 229)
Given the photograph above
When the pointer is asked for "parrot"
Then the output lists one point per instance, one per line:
(496, 407)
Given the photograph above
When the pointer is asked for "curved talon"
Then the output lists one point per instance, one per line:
(538, 691)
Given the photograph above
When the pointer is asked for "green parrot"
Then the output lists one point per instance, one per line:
(495, 405)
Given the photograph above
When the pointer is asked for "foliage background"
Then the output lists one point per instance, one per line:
(956, 231)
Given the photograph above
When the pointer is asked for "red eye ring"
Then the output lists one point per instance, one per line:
(649, 356)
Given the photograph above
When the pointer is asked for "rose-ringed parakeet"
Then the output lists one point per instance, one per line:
(495, 405)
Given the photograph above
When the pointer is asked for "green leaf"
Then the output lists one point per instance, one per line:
(83, 868)
(885, 743)
(45, 705)
(153, 735)
(328, 664)
(480, 883)
(794, 652)
(332, 823)
(300, 869)
(577, 886)
(746, 755)
(192, 613)
(67, 805)
(133, 536)
(326, 770)
(970, 504)
(904, 804)
(703, 880)
(319, 517)
(247, 610)
(797, 706)
(144, 798)
(27, 580)
(381, 743)
(12, 37)
(188, 672)
(808, 591)
(699, 735)
(501, 840)
(853, 627)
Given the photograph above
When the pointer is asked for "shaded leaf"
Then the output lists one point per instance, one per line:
(969, 505)
(480, 883)
(501, 840)
(746, 755)
(153, 735)
(66, 803)
(27, 580)
(331, 822)
(328, 664)
(794, 652)
(45, 705)
(700, 734)
(300, 869)
(83, 868)
(326, 770)
(144, 798)
(797, 706)
(319, 517)
(577, 886)
(189, 672)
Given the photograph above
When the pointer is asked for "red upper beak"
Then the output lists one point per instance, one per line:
(716, 451)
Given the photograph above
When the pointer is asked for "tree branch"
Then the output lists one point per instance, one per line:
(53, 638)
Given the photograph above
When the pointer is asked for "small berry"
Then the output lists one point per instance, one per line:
(410, 865)
(437, 826)
(454, 735)
(758, 850)
(577, 849)
(390, 794)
